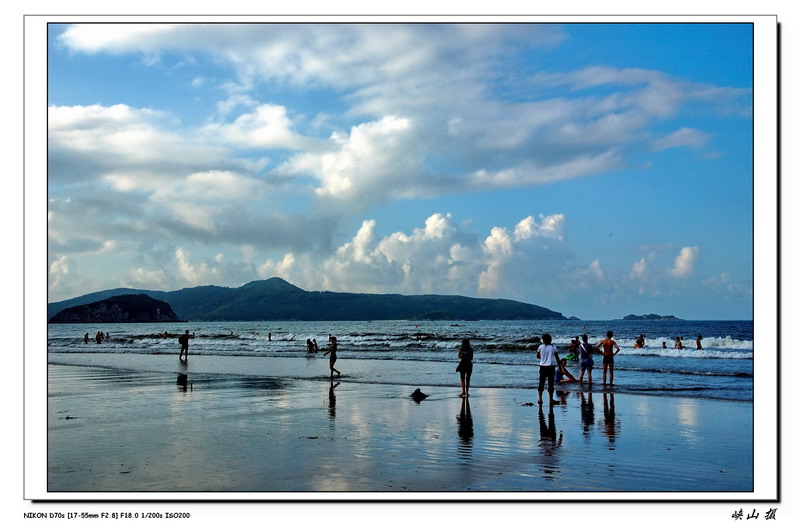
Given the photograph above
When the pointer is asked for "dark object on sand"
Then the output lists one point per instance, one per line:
(418, 396)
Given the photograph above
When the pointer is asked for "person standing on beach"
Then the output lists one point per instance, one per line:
(587, 363)
(548, 361)
(465, 354)
(699, 345)
(609, 349)
(332, 352)
(183, 340)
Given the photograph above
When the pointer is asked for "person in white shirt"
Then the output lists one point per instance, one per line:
(548, 361)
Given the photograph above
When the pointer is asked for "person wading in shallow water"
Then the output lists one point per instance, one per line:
(332, 352)
(184, 342)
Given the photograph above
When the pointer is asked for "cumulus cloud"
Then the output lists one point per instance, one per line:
(267, 126)
(685, 262)
(261, 186)
(494, 141)
(374, 161)
(442, 256)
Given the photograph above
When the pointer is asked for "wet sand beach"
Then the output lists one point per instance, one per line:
(114, 431)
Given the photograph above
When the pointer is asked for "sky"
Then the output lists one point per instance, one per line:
(598, 170)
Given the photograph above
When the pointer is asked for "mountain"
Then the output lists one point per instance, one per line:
(277, 300)
(118, 309)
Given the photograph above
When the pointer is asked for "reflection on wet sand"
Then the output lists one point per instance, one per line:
(610, 422)
(183, 382)
(587, 413)
(332, 400)
(550, 441)
(465, 430)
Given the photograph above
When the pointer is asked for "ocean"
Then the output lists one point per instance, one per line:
(423, 354)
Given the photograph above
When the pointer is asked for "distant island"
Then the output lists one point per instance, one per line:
(650, 317)
(118, 309)
(277, 300)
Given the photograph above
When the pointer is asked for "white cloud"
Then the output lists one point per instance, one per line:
(376, 160)
(439, 257)
(639, 269)
(684, 137)
(685, 262)
(267, 126)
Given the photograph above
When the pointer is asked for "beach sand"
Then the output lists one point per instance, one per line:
(111, 431)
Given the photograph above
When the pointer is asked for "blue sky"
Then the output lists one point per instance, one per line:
(595, 169)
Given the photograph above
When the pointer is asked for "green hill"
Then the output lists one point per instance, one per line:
(128, 308)
(277, 300)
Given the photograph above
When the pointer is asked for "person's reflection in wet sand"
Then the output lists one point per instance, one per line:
(562, 397)
(611, 425)
(465, 430)
(332, 400)
(183, 382)
(550, 441)
(587, 413)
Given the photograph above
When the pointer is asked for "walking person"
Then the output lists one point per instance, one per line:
(332, 352)
(465, 354)
(609, 348)
(548, 361)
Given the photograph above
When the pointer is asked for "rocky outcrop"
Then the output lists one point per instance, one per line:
(650, 317)
(119, 309)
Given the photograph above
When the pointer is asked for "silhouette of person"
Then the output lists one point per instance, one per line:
(332, 351)
(183, 340)
(465, 354)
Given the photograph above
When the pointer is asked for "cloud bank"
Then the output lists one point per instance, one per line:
(262, 185)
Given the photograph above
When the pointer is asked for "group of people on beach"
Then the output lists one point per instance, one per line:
(551, 367)
(311, 347)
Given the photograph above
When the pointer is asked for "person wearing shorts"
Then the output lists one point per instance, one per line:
(609, 348)
(548, 361)
(466, 355)
(587, 363)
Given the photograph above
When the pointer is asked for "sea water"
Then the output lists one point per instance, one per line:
(424, 353)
